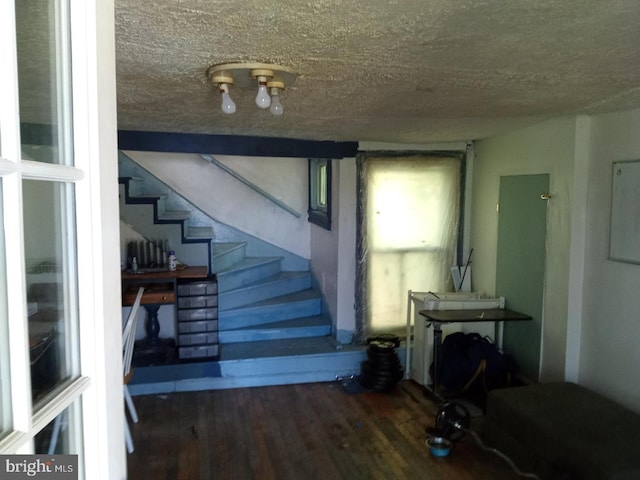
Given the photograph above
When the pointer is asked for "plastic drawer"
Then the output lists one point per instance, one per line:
(198, 327)
(198, 338)
(194, 289)
(198, 302)
(197, 314)
(202, 351)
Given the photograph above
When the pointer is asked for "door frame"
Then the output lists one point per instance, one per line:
(98, 387)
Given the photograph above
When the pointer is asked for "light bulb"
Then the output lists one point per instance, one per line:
(263, 100)
(228, 105)
(276, 105)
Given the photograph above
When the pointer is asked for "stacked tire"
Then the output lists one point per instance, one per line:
(382, 370)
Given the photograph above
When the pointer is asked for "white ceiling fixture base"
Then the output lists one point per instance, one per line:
(270, 78)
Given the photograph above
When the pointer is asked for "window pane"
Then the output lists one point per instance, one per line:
(322, 186)
(62, 435)
(43, 73)
(320, 192)
(49, 237)
(5, 392)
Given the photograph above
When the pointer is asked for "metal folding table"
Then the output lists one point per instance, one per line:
(439, 317)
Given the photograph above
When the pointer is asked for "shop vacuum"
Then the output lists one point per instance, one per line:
(452, 422)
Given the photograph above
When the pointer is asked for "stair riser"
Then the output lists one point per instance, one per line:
(227, 259)
(198, 233)
(249, 295)
(253, 373)
(256, 335)
(161, 206)
(233, 319)
(239, 278)
(136, 187)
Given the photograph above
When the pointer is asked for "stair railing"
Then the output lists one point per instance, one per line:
(210, 159)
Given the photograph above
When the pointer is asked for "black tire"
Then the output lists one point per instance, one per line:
(372, 371)
(385, 337)
(383, 358)
(381, 346)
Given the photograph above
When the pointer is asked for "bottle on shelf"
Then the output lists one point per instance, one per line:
(172, 260)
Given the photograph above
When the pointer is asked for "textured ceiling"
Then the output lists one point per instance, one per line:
(396, 71)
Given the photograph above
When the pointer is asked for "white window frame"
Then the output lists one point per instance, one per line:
(99, 387)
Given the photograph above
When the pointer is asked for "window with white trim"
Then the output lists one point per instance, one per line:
(54, 369)
(40, 235)
(320, 192)
(5, 379)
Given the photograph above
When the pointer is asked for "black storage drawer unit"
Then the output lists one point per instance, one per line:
(186, 314)
(199, 352)
(198, 319)
(199, 301)
(206, 338)
(198, 327)
(198, 288)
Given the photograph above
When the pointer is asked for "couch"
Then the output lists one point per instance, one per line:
(564, 431)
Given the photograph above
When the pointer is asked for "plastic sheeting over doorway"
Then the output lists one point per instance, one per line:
(409, 217)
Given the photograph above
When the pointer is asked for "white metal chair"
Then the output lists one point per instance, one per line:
(128, 339)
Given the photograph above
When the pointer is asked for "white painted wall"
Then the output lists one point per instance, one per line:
(230, 201)
(346, 218)
(591, 303)
(324, 249)
(544, 148)
(609, 359)
(333, 252)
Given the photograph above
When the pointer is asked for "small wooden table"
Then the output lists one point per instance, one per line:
(160, 288)
(439, 317)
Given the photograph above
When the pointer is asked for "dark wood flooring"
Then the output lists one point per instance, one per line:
(298, 432)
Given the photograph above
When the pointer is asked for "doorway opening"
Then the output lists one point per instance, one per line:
(409, 217)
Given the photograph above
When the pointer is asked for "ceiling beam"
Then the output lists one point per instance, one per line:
(41, 134)
(233, 145)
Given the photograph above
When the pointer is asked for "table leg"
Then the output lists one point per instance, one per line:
(154, 350)
(437, 356)
(153, 325)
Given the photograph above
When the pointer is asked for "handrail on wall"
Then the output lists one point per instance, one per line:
(210, 159)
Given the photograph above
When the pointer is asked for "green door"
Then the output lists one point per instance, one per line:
(522, 226)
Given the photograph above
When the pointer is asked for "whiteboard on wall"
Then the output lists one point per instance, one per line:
(624, 245)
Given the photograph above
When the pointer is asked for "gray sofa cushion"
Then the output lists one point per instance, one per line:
(574, 431)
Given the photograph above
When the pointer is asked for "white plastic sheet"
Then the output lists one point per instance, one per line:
(409, 214)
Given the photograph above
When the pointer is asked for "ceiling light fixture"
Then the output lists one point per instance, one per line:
(271, 80)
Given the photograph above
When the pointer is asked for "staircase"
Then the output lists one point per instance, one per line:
(272, 328)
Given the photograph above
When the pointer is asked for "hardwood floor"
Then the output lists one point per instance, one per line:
(298, 432)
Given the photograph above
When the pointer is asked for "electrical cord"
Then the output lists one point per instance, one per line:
(480, 443)
(456, 415)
